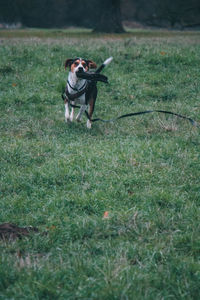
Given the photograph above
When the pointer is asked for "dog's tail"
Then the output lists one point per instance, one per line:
(104, 64)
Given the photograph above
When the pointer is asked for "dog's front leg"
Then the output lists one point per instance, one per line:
(72, 112)
(67, 117)
(80, 113)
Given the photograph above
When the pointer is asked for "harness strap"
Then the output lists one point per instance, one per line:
(76, 95)
(77, 90)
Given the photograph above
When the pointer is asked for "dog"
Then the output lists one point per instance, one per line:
(80, 91)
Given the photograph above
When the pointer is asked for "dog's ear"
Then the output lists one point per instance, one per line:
(91, 64)
(68, 63)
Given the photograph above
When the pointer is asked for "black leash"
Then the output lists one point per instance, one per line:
(194, 123)
(73, 96)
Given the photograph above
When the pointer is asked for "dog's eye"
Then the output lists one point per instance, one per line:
(84, 65)
(76, 63)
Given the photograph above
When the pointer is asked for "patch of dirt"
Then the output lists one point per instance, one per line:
(11, 231)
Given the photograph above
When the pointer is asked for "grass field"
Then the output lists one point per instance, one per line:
(61, 178)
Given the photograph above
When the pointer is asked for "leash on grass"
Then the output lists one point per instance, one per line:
(193, 122)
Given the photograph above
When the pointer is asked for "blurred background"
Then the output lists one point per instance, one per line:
(101, 15)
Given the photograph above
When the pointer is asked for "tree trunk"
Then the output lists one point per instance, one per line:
(109, 17)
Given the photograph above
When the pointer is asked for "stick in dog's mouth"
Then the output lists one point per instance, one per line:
(92, 76)
(95, 76)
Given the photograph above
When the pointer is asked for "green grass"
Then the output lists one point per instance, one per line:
(88, 33)
(62, 178)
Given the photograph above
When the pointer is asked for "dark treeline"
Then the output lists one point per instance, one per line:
(163, 13)
(49, 13)
(89, 13)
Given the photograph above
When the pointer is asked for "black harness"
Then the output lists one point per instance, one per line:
(77, 90)
(76, 95)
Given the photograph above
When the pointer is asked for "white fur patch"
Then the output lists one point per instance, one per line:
(89, 124)
(67, 118)
(108, 61)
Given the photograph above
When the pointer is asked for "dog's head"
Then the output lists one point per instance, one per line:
(79, 65)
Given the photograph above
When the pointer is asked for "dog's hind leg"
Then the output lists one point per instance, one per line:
(89, 124)
(91, 105)
(91, 110)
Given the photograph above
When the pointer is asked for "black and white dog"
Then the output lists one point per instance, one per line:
(80, 91)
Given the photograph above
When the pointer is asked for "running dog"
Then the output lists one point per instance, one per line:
(80, 90)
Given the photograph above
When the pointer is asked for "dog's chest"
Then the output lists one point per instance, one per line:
(79, 100)
(75, 87)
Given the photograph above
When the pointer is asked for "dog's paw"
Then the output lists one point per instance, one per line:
(67, 119)
(78, 119)
(89, 124)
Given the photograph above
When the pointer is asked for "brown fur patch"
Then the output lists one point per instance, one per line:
(77, 62)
